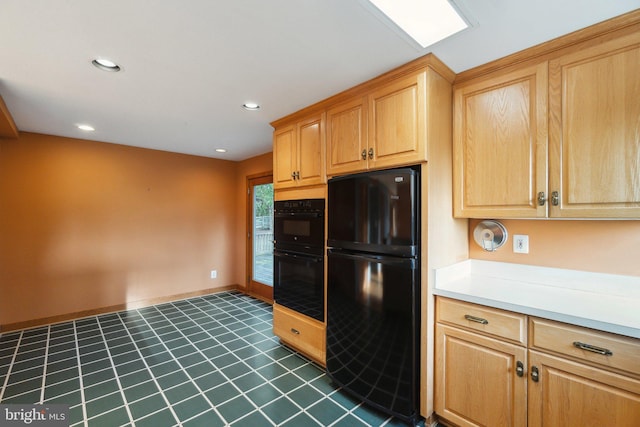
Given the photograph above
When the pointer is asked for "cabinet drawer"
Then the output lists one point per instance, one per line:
(485, 320)
(300, 332)
(599, 348)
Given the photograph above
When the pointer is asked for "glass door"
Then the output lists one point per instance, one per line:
(260, 236)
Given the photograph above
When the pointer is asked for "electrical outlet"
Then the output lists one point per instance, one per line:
(214, 274)
(520, 243)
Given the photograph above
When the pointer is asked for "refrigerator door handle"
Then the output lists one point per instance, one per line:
(382, 259)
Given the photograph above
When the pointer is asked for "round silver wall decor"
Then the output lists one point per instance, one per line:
(490, 235)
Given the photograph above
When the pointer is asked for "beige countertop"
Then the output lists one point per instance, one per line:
(607, 302)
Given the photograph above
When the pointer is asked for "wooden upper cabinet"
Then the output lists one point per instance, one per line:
(347, 137)
(500, 145)
(299, 153)
(284, 156)
(311, 151)
(384, 128)
(573, 120)
(594, 103)
(397, 123)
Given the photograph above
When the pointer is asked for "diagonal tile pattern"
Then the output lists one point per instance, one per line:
(205, 361)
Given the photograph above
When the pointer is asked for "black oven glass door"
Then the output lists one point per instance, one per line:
(299, 282)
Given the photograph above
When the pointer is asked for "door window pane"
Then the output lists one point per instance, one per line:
(263, 234)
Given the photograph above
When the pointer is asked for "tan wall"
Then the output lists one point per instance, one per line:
(86, 225)
(596, 246)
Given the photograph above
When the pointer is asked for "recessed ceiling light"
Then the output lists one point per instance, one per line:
(221, 150)
(105, 65)
(425, 21)
(86, 128)
(251, 106)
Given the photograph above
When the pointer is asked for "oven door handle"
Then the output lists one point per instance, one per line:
(382, 259)
(297, 256)
(297, 215)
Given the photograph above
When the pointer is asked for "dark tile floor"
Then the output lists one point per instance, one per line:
(205, 361)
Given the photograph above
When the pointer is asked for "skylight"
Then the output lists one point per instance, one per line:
(426, 21)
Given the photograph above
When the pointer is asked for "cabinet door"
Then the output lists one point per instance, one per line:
(347, 137)
(397, 123)
(311, 148)
(284, 157)
(500, 145)
(595, 130)
(476, 381)
(572, 394)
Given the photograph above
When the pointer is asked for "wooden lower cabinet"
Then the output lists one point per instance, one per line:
(582, 377)
(300, 332)
(569, 393)
(571, 376)
(477, 382)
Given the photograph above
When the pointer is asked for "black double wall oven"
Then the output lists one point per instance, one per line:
(299, 256)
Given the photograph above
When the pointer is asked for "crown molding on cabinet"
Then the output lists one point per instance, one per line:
(426, 61)
(581, 39)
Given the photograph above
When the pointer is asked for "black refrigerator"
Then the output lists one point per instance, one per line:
(373, 288)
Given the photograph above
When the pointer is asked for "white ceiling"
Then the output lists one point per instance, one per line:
(189, 65)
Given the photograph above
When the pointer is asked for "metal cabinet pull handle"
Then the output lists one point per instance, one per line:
(535, 375)
(593, 348)
(541, 198)
(293, 175)
(364, 154)
(476, 319)
(370, 153)
(555, 198)
(520, 369)
(295, 331)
